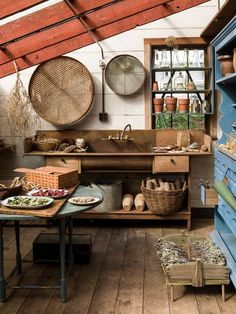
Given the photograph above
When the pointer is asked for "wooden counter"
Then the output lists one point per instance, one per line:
(134, 157)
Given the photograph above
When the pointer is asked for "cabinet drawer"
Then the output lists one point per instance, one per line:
(70, 162)
(170, 164)
(228, 214)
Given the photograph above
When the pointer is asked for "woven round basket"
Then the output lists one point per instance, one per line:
(61, 91)
(163, 202)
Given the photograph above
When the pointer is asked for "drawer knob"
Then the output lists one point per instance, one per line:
(172, 160)
(228, 212)
(63, 160)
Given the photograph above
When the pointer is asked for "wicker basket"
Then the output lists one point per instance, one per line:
(51, 177)
(164, 202)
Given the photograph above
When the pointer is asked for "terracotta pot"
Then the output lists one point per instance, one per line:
(226, 65)
(158, 104)
(183, 105)
(234, 60)
(171, 103)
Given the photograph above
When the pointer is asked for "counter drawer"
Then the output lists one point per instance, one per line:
(170, 164)
(64, 161)
(228, 214)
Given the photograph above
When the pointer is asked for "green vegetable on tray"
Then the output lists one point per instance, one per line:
(28, 201)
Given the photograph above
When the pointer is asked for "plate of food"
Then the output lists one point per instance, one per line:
(25, 202)
(83, 200)
(53, 193)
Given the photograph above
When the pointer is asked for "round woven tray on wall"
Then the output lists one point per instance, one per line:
(61, 91)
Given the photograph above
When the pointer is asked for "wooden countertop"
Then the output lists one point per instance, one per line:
(56, 153)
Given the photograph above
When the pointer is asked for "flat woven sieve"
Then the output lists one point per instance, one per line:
(61, 90)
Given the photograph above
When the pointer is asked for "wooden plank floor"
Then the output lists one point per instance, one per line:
(124, 277)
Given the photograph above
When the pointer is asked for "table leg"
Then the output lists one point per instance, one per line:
(62, 259)
(71, 257)
(2, 279)
(18, 255)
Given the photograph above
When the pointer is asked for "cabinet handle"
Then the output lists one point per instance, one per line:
(63, 160)
(172, 160)
(228, 212)
(223, 205)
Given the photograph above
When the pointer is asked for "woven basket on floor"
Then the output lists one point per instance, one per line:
(164, 202)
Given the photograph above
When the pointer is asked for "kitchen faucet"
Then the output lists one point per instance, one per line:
(122, 133)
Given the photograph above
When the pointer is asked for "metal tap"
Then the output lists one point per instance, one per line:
(122, 133)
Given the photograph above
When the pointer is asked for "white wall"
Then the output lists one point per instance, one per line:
(121, 110)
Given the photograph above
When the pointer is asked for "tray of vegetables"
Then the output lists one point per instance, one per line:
(53, 193)
(32, 202)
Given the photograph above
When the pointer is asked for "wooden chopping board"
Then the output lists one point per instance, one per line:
(46, 212)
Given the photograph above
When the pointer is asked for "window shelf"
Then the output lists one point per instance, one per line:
(181, 69)
(200, 91)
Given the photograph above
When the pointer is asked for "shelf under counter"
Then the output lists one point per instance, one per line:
(182, 215)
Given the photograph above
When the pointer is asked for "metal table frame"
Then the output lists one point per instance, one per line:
(65, 218)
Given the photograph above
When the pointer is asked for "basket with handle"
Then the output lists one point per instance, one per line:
(164, 202)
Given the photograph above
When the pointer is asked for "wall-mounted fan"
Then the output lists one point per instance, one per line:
(125, 75)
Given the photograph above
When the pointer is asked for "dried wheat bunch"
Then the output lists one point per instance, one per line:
(23, 120)
(171, 42)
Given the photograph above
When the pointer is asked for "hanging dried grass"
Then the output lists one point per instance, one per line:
(171, 42)
(23, 120)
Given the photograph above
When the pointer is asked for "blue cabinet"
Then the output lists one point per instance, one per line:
(224, 234)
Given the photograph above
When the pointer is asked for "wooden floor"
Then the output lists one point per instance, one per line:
(124, 277)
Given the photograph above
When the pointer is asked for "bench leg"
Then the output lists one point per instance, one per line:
(62, 259)
(71, 256)
(18, 255)
(2, 279)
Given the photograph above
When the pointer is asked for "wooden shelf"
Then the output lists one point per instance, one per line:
(184, 215)
(181, 69)
(184, 91)
(184, 113)
(227, 80)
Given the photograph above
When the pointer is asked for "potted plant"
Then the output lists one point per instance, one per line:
(171, 103)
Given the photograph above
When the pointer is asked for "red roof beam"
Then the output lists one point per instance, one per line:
(73, 28)
(102, 33)
(46, 17)
(10, 7)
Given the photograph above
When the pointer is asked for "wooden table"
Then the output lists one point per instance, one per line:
(66, 211)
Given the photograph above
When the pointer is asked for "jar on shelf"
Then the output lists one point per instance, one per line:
(195, 105)
(194, 60)
(156, 58)
(165, 61)
(226, 65)
(179, 82)
(166, 82)
(175, 58)
(184, 63)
